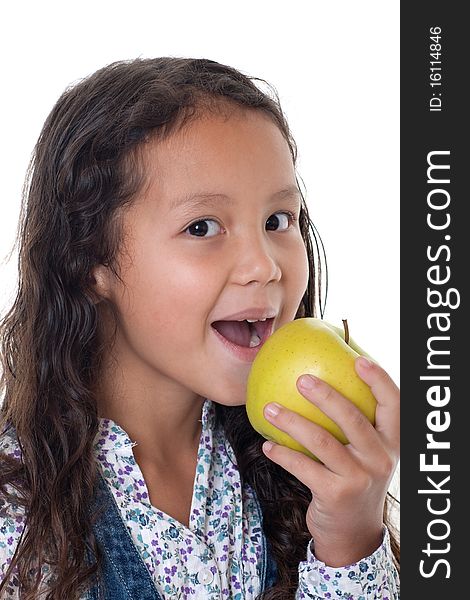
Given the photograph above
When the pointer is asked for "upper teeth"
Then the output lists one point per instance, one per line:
(251, 320)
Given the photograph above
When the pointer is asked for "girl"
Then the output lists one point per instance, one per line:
(162, 213)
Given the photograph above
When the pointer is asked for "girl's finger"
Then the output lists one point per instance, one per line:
(309, 472)
(387, 394)
(320, 442)
(352, 421)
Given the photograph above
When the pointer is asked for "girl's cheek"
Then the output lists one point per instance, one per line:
(298, 267)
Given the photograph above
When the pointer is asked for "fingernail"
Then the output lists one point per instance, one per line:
(272, 409)
(365, 362)
(308, 382)
(267, 446)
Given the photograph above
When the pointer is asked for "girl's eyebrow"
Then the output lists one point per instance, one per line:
(207, 198)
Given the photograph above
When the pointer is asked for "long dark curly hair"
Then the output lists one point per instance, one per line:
(85, 168)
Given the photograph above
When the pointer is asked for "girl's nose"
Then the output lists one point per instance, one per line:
(255, 261)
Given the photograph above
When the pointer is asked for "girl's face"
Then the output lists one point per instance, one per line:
(191, 261)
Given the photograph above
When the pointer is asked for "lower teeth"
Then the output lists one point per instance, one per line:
(255, 339)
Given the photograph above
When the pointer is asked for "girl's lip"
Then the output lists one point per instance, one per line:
(241, 352)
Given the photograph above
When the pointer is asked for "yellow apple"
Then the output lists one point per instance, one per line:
(312, 346)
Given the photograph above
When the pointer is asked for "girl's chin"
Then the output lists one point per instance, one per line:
(238, 399)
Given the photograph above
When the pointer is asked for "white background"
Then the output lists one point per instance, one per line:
(336, 68)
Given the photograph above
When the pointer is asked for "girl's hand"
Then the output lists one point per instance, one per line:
(345, 515)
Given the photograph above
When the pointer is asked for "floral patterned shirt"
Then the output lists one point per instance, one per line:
(218, 556)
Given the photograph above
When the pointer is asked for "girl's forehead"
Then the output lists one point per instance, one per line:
(215, 149)
(213, 131)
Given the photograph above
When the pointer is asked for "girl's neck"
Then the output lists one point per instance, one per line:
(163, 417)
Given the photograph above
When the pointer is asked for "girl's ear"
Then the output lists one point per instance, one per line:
(100, 283)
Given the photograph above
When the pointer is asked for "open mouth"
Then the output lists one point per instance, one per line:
(244, 333)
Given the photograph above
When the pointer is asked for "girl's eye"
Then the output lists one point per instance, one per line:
(200, 228)
(274, 221)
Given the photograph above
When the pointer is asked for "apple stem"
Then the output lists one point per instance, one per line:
(346, 331)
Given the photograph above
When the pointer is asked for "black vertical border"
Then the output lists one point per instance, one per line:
(423, 131)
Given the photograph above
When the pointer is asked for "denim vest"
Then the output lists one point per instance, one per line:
(125, 576)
